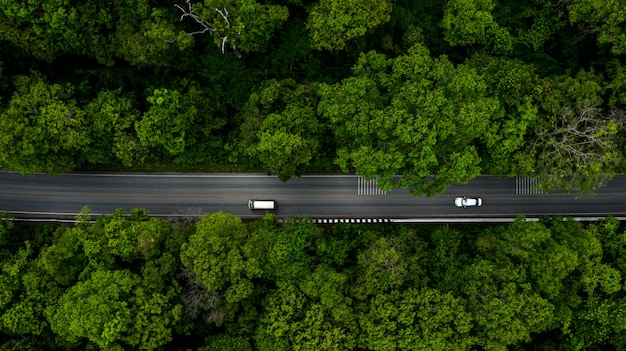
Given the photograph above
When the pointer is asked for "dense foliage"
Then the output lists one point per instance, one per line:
(438, 90)
(142, 283)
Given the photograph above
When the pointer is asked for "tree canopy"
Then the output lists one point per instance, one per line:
(421, 95)
(129, 281)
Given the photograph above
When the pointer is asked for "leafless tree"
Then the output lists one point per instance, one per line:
(619, 117)
(581, 147)
(198, 300)
(580, 135)
(207, 27)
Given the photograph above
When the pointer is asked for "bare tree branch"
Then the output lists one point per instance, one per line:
(224, 16)
(197, 299)
(207, 27)
(581, 146)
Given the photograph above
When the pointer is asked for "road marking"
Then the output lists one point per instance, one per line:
(529, 185)
(365, 187)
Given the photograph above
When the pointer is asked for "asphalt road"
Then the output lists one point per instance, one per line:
(316, 196)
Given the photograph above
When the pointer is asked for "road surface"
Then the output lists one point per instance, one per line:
(315, 196)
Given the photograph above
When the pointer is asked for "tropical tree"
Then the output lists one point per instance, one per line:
(221, 260)
(606, 19)
(288, 251)
(241, 26)
(112, 115)
(165, 123)
(96, 309)
(131, 29)
(317, 315)
(281, 128)
(383, 266)
(504, 307)
(416, 320)
(468, 22)
(415, 115)
(42, 129)
(332, 24)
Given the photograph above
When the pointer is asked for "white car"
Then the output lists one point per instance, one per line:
(468, 202)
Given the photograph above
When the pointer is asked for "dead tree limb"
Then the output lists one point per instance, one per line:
(207, 27)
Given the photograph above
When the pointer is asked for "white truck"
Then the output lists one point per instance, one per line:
(262, 204)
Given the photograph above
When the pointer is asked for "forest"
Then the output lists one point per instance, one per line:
(135, 282)
(438, 91)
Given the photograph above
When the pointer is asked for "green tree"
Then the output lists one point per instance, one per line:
(547, 261)
(600, 321)
(512, 81)
(112, 115)
(121, 275)
(180, 124)
(224, 342)
(383, 267)
(468, 22)
(157, 312)
(64, 259)
(613, 239)
(21, 304)
(288, 256)
(115, 238)
(316, 316)
(222, 257)
(606, 18)
(504, 307)
(42, 129)
(131, 29)
(145, 35)
(96, 309)
(416, 320)
(332, 24)
(165, 123)
(445, 258)
(536, 24)
(244, 26)
(336, 248)
(413, 115)
(26, 290)
(617, 85)
(281, 127)
(6, 225)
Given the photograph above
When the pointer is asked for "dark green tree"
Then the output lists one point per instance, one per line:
(130, 29)
(605, 19)
(112, 116)
(317, 315)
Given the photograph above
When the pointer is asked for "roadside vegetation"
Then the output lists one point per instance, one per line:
(450, 88)
(132, 282)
